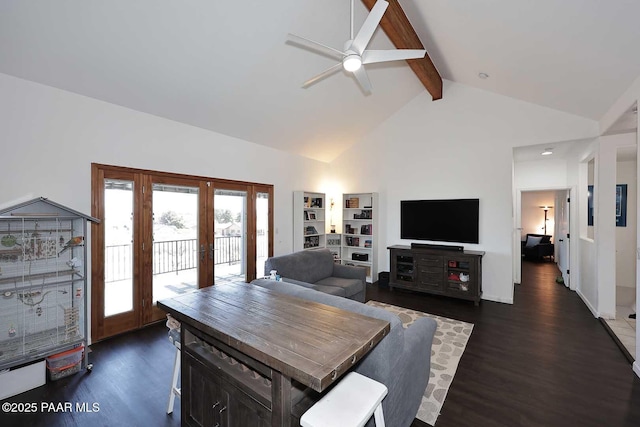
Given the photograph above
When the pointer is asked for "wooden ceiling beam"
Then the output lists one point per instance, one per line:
(401, 33)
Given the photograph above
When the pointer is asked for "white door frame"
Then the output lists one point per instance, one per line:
(517, 228)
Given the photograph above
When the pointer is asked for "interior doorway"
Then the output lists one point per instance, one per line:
(543, 218)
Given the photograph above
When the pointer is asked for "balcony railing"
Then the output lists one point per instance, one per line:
(177, 255)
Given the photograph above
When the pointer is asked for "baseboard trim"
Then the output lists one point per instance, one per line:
(497, 299)
(588, 304)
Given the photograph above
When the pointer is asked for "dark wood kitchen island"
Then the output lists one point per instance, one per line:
(252, 356)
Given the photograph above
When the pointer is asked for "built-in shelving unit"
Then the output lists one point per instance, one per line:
(360, 232)
(309, 229)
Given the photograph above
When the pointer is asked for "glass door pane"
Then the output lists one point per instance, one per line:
(175, 240)
(118, 251)
(262, 232)
(230, 235)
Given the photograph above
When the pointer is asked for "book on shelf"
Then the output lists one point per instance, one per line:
(310, 230)
(311, 242)
(352, 241)
(316, 202)
(352, 202)
(364, 214)
(367, 243)
(366, 229)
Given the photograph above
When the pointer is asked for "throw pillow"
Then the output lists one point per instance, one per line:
(533, 241)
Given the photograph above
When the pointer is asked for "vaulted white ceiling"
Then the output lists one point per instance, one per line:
(226, 66)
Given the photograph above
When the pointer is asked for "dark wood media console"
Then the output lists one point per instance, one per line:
(453, 273)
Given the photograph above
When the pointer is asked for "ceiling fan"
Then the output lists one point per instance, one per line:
(355, 54)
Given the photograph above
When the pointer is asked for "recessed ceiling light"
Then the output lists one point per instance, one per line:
(483, 75)
(635, 110)
(547, 152)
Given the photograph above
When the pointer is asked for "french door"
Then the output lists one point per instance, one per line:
(162, 235)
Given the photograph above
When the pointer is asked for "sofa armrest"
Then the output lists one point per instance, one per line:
(349, 272)
(412, 373)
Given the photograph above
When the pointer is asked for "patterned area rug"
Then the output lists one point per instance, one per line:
(449, 343)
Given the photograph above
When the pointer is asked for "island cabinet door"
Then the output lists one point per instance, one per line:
(210, 401)
(204, 402)
(244, 411)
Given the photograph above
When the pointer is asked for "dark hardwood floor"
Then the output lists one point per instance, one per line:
(543, 361)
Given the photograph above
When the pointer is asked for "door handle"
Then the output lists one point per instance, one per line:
(211, 251)
(202, 252)
(560, 240)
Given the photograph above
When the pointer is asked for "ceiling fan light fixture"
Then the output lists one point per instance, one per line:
(352, 62)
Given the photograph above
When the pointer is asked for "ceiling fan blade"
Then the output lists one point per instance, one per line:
(370, 24)
(362, 78)
(373, 56)
(319, 47)
(323, 74)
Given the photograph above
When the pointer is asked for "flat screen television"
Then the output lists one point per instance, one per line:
(452, 220)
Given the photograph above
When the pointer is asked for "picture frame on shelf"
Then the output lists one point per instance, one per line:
(312, 216)
(316, 202)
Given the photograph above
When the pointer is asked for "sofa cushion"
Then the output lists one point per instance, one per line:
(333, 290)
(533, 241)
(307, 266)
(350, 286)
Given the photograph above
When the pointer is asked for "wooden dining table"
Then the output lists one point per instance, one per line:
(253, 356)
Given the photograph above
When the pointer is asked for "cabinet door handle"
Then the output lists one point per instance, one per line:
(224, 408)
(215, 404)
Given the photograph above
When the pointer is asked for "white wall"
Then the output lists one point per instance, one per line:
(626, 236)
(50, 138)
(457, 147)
(539, 174)
(605, 220)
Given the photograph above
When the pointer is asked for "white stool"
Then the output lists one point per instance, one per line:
(349, 404)
(174, 337)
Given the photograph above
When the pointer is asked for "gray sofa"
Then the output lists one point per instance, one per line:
(316, 269)
(401, 361)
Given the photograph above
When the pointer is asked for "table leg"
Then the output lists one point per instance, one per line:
(281, 400)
